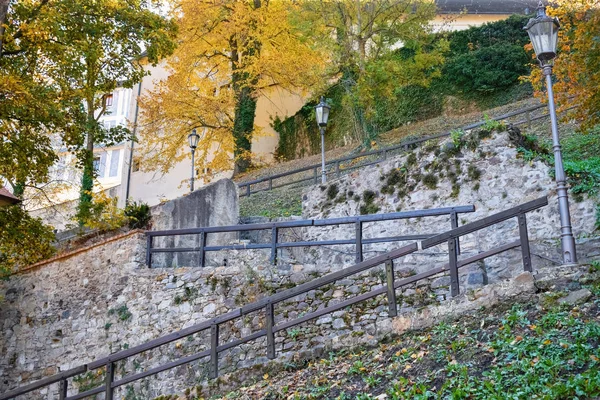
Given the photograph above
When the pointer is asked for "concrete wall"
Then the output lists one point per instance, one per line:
(212, 205)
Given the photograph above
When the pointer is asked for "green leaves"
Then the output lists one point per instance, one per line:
(25, 240)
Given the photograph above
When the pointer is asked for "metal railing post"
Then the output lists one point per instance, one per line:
(110, 377)
(62, 389)
(248, 190)
(391, 291)
(528, 116)
(524, 238)
(270, 183)
(453, 266)
(359, 249)
(148, 251)
(214, 354)
(337, 169)
(454, 225)
(315, 177)
(274, 235)
(202, 261)
(270, 335)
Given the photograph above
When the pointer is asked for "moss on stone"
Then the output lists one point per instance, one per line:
(430, 180)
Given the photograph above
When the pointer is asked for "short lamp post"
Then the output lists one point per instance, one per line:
(193, 139)
(543, 32)
(322, 112)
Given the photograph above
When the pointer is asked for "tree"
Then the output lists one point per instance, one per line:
(577, 65)
(89, 48)
(31, 106)
(367, 35)
(230, 52)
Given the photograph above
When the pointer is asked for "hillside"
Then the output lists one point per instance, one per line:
(545, 347)
(286, 201)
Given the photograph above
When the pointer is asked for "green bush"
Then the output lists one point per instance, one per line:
(138, 215)
(508, 31)
(24, 240)
(488, 69)
(408, 104)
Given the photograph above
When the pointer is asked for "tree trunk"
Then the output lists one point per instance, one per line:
(87, 180)
(243, 125)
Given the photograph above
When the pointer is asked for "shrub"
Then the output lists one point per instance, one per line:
(103, 213)
(488, 69)
(138, 215)
(24, 240)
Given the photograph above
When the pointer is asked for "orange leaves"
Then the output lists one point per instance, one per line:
(576, 68)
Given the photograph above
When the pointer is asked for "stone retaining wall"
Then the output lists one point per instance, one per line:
(72, 311)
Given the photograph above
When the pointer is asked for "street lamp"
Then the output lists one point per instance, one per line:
(543, 32)
(193, 139)
(322, 112)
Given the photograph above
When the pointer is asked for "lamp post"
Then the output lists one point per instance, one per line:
(543, 32)
(322, 113)
(193, 139)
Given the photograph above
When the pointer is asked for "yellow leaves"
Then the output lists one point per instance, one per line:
(266, 376)
(547, 342)
(224, 46)
(594, 358)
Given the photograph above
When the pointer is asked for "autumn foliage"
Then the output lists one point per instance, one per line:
(577, 66)
(230, 52)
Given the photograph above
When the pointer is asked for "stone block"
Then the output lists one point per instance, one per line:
(576, 297)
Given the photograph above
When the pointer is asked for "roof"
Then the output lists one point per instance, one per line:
(7, 197)
(487, 6)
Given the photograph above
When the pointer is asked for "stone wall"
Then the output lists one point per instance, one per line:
(78, 309)
(491, 176)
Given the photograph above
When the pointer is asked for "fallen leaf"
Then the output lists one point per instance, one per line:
(266, 376)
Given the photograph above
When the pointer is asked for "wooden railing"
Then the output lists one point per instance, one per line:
(275, 228)
(268, 303)
(335, 168)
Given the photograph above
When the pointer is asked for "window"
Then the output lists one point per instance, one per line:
(100, 165)
(96, 164)
(114, 163)
(109, 100)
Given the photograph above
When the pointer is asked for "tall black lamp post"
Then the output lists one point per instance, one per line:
(543, 32)
(193, 139)
(322, 112)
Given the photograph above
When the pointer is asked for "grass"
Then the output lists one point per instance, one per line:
(581, 155)
(511, 352)
(283, 202)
